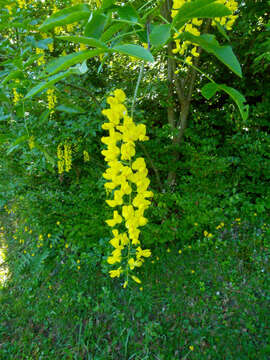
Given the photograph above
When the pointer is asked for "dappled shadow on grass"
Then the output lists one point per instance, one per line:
(205, 303)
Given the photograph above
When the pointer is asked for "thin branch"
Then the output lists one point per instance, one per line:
(152, 165)
(82, 89)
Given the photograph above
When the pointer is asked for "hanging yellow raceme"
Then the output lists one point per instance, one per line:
(41, 59)
(52, 100)
(64, 155)
(31, 142)
(22, 4)
(186, 48)
(128, 184)
(16, 96)
(86, 156)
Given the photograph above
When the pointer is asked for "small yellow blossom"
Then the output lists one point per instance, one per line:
(116, 273)
(191, 348)
(136, 279)
(52, 100)
(41, 59)
(16, 96)
(168, 250)
(86, 156)
(180, 252)
(50, 47)
(22, 4)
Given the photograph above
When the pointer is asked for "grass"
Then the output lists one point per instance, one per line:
(211, 301)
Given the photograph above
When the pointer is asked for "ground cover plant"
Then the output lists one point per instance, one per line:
(111, 246)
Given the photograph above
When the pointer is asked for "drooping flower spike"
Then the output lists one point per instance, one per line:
(127, 182)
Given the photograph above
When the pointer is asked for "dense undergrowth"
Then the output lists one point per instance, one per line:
(205, 289)
(205, 301)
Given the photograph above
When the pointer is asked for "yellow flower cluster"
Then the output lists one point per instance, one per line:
(52, 99)
(86, 156)
(9, 7)
(128, 183)
(50, 47)
(220, 226)
(227, 21)
(22, 4)
(31, 142)
(70, 27)
(193, 27)
(16, 96)
(41, 59)
(207, 234)
(64, 155)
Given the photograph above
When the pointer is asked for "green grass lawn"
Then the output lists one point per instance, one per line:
(210, 301)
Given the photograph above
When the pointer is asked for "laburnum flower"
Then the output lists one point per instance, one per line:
(116, 273)
(127, 182)
(184, 48)
(117, 219)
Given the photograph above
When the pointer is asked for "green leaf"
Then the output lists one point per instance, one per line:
(46, 154)
(65, 62)
(224, 53)
(210, 89)
(15, 143)
(70, 109)
(238, 98)
(43, 44)
(135, 51)
(51, 80)
(16, 74)
(222, 30)
(3, 138)
(160, 34)
(44, 117)
(84, 40)
(112, 30)
(94, 28)
(3, 96)
(106, 4)
(199, 9)
(66, 16)
(128, 14)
